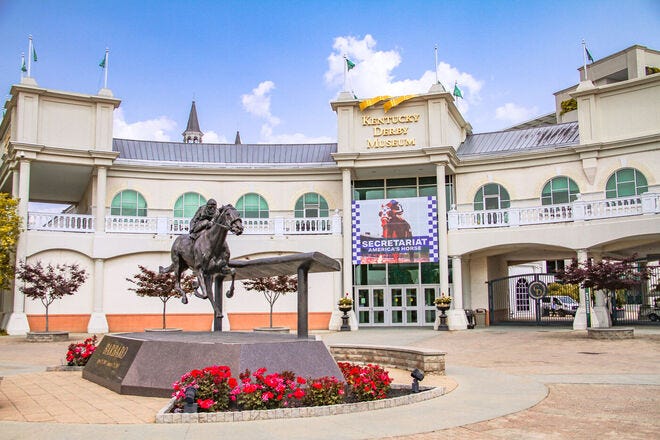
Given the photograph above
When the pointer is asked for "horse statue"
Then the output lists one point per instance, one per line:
(207, 256)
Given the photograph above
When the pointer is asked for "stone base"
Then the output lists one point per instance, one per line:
(456, 319)
(47, 336)
(611, 333)
(98, 323)
(146, 364)
(17, 324)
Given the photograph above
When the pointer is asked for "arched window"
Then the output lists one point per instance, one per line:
(252, 205)
(129, 203)
(559, 190)
(626, 182)
(311, 205)
(491, 196)
(187, 204)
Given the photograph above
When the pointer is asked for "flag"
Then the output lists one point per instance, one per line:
(457, 91)
(23, 68)
(589, 57)
(34, 53)
(102, 63)
(349, 64)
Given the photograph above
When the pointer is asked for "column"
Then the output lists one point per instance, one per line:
(101, 188)
(17, 323)
(442, 229)
(97, 321)
(582, 316)
(347, 253)
(456, 319)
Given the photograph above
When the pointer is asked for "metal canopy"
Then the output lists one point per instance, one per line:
(284, 265)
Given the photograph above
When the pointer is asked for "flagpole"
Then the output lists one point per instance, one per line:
(105, 69)
(437, 81)
(345, 72)
(29, 66)
(584, 59)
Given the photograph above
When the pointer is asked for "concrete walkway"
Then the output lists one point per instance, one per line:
(503, 374)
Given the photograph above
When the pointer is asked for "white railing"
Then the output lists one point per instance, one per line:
(48, 221)
(579, 210)
(177, 226)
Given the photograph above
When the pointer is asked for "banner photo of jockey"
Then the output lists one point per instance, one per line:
(401, 230)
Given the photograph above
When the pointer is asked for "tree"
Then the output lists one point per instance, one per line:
(607, 274)
(10, 228)
(160, 285)
(273, 288)
(50, 283)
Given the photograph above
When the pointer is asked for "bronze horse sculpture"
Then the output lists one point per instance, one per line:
(207, 256)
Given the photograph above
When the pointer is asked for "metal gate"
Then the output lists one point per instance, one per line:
(639, 305)
(509, 301)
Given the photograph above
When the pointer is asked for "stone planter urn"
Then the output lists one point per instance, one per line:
(344, 317)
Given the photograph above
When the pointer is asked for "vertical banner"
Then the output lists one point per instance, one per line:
(403, 230)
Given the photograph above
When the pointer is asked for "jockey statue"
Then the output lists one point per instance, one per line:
(202, 218)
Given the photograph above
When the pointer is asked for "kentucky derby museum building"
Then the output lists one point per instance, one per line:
(409, 201)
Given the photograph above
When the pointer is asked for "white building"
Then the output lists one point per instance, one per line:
(478, 203)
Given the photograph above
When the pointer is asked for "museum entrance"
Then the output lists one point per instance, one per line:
(396, 305)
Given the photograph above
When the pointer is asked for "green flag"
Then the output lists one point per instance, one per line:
(34, 54)
(589, 57)
(457, 91)
(349, 64)
(23, 68)
(102, 63)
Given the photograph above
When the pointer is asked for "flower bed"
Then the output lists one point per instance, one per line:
(212, 394)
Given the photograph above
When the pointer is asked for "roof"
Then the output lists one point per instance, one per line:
(193, 124)
(541, 121)
(224, 153)
(517, 141)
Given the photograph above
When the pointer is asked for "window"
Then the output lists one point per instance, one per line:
(491, 196)
(311, 205)
(129, 203)
(626, 182)
(252, 205)
(522, 297)
(559, 190)
(187, 204)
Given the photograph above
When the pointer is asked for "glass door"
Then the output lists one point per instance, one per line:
(404, 308)
(371, 306)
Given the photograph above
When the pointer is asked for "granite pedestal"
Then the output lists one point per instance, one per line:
(146, 364)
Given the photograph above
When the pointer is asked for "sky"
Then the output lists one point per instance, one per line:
(271, 68)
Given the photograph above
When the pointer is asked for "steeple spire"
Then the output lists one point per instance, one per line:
(193, 135)
(237, 141)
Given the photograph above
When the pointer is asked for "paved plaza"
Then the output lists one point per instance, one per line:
(503, 383)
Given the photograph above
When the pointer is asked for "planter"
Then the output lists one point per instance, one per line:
(442, 326)
(345, 309)
(442, 307)
(47, 336)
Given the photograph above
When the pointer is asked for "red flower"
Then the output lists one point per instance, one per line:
(206, 404)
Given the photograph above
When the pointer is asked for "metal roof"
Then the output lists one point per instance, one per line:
(517, 141)
(224, 153)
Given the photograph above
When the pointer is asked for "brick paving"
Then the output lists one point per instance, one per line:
(597, 389)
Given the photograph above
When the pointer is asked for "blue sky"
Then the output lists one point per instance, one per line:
(270, 68)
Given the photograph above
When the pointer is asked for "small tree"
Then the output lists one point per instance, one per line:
(607, 274)
(50, 283)
(10, 229)
(160, 285)
(273, 288)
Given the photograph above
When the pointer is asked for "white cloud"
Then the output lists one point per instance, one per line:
(257, 103)
(373, 73)
(211, 137)
(514, 113)
(151, 130)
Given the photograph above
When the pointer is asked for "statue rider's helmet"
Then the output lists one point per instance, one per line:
(211, 205)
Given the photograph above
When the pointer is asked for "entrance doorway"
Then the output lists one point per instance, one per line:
(407, 305)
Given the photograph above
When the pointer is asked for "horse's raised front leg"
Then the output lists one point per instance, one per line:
(230, 292)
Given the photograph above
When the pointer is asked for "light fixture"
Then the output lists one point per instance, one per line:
(190, 406)
(418, 376)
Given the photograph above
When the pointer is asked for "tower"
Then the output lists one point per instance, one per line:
(193, 135)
